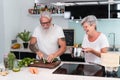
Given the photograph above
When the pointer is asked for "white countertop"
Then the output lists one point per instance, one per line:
(46, 74)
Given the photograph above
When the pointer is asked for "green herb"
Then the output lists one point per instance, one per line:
(45, 61)
(11, 58)
(55, 59)
(25, 62)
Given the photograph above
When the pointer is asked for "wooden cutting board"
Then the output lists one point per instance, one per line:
(39, 63)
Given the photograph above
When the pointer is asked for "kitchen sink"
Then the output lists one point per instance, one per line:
(113, 49)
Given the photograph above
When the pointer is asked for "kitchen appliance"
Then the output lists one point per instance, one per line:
(100, 11)
(69, 36)
(85, 70)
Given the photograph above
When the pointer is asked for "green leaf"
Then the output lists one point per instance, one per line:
(25, 36)
(11, 56)
(26, 61)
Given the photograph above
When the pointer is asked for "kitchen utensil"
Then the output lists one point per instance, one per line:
(39, 63)
(76, 52)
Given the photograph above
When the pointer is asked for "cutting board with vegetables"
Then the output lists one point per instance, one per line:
(42, 64)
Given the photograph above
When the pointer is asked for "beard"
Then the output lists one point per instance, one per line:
(46, 29)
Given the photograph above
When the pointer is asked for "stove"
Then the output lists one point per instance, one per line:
(85, 70)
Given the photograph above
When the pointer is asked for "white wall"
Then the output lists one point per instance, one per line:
(2, 35)
(12, 21)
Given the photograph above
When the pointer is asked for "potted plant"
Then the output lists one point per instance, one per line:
(24, 36)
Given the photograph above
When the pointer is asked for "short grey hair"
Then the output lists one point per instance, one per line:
(90, 19)
(45, 14)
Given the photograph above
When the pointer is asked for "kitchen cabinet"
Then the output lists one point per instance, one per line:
(68, 57)
(80, 11)
(23, 53)
(99, 10)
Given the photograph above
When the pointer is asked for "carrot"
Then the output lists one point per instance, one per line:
(33, 70)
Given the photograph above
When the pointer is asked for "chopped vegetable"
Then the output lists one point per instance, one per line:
(45, 61)
(25, 62)
(34, 70)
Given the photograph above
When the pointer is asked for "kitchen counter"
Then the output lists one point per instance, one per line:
(47, 74)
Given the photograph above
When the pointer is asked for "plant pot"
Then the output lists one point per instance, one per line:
(25, 45)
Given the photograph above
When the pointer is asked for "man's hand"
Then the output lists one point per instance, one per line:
(50, 58)
(40, 55)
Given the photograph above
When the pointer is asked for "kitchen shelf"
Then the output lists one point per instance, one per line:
(37, 15)
(23, 53)
(22, 50)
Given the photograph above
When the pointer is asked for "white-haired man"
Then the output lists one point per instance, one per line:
(49, 38)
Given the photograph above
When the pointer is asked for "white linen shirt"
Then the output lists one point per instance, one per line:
(47, 40)
(100, 42)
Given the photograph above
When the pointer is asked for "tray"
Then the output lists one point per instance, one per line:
(39, 63)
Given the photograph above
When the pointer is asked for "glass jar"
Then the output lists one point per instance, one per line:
(16, 68)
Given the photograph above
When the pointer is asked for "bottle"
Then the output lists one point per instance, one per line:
(53, 10)
(35, 9)
(50, 9)
(6, 62)
(46, 8)
(38, 8)
(58, 10)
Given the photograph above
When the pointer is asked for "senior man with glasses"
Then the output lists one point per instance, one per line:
(49, 38)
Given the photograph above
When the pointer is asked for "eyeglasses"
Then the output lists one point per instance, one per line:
(47, 23)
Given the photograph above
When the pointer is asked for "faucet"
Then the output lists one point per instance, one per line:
(113, 46)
